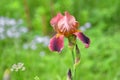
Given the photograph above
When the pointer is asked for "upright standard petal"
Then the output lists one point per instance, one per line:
(54, 21)
(83, 38)
(67, 24)
(56, 43)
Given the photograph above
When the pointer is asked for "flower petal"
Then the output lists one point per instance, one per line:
(67, 24)
(54, 21)
(83, 38)
(56, 43)
(71, 20)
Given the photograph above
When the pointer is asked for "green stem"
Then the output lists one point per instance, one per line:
(74, 69)
(73, 56)
(74, 73)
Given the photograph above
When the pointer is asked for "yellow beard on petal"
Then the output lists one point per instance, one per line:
(66, 30)
(58, 34)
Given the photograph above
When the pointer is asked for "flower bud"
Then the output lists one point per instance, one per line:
(69, 75)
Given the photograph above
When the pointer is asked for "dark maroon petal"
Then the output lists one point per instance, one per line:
(83, 38)
(56, 43)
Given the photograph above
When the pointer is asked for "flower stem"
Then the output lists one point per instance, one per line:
(73, 68)
(74, 73)
(73, 56)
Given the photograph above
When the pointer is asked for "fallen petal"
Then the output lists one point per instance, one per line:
(83, 38)
(56, 43)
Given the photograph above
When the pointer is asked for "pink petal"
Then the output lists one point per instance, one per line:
(67, 24)
(83, 38)
(56, 43)
(54, 20)
(70, 19)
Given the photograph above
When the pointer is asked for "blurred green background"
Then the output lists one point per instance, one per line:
(25, 32)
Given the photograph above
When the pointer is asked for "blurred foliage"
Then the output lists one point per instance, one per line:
(41, 11)
(99, 62)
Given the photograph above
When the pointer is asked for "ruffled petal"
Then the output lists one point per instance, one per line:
(67, 24)
(83, 38)
(71, 21)
(54, 21)
(56, 43)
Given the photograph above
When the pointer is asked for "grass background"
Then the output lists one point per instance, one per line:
(98, 62)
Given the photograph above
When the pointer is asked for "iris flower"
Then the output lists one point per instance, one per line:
(65, 26)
